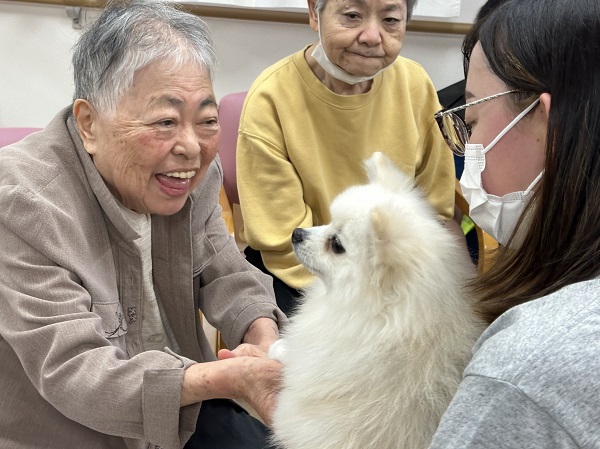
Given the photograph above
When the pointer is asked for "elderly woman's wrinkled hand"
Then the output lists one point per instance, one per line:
(260, 382)
(245, 349)
(258, 338)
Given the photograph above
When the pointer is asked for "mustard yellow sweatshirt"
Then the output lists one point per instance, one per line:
(300, 145)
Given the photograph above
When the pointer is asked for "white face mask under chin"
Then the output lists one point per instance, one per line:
(334, 70)
(496, 215)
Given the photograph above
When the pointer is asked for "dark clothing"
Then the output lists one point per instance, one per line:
(223, 424)
(453, 96)
(286, 296)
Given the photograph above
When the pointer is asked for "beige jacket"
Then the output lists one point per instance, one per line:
(71, 371)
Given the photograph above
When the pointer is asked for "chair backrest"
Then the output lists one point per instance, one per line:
(230, 109)
(11, 135)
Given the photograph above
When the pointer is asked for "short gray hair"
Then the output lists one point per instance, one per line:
(128, 36)
(410, 5)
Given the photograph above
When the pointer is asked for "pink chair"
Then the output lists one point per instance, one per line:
(12, 135)
(230, 109)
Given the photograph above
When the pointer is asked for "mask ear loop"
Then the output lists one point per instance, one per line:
(510, 126)
(533, 184)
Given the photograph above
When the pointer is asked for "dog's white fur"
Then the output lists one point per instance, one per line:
(378, 345)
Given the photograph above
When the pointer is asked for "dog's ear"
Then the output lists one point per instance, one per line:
(381, 170)
(392, 249)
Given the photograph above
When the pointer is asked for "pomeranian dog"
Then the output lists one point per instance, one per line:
(378, 344)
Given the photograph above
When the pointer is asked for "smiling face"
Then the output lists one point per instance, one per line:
(361, 36)
(158, 145)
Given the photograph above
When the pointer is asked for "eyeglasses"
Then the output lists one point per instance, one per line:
(454, 129)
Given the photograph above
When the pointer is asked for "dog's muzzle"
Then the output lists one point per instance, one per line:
(298, 235)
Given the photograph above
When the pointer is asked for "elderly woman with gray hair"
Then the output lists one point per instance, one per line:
(311, 119)
(113, 240)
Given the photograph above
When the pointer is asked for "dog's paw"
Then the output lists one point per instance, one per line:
(277, 350)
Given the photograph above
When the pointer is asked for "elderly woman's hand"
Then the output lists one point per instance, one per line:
(259, 381)
(255, 380)
(260, 385)
(245, 349)
(258, 338)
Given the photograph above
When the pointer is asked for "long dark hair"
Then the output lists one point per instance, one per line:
(549, 46)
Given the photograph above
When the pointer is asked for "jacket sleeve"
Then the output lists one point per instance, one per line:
(48, 320)
(233, 293)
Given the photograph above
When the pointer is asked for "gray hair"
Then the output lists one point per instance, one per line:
(128, 36)
(410, 5)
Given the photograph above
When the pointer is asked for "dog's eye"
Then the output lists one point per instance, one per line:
(336, 245)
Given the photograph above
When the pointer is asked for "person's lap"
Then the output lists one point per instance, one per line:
(223, 424)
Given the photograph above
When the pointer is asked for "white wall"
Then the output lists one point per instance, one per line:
(36, 42)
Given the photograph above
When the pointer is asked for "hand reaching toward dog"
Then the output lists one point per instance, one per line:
(243, 350)
(258, 339)
(261, 386)
(260, 381)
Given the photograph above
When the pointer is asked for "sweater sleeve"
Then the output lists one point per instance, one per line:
(272, 198)
(491, 413)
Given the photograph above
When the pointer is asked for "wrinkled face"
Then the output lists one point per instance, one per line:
(362, 36)
(157, 147)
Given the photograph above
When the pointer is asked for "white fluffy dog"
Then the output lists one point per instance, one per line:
(378, 345)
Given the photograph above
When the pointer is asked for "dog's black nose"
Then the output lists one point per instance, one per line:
(298, 235)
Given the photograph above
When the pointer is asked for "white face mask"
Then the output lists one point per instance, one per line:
(334, 70)
(496, 215)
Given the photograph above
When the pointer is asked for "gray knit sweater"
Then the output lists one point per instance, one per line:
(534, 381)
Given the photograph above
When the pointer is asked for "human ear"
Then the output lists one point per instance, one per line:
(541, 118)
(312, 15)
(545, 102)
(86, 117)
